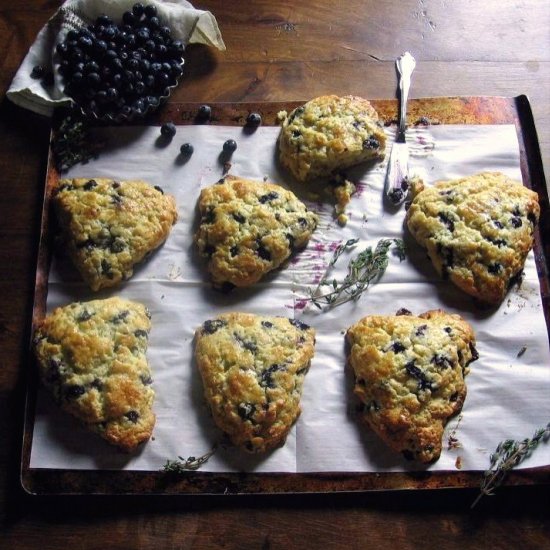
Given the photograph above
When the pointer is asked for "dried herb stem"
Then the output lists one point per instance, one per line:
(452, 441)
(191, 463)
(72, 143)
(508, 454)
(367, 267)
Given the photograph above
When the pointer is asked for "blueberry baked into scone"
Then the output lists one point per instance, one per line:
(477, 230)
(109, 226)
(92, 359)
(249, 228)
(328, 134)
(409, 375)
(253, 368)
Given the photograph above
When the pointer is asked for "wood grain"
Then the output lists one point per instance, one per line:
(276, 50)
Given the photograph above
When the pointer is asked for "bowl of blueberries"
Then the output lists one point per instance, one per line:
(116, 72)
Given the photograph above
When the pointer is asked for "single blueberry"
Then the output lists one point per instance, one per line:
(128, 17)
(150, 10)
(91, 67)
(93, 79)
(37, 71)
(187, 149)
(100, 47)
(62, 49)
(103, 19)
(143, 35)
(205, 112)
(177, 48)
(132, 416)
(74, 391)
(77, 77)
(230, 146)
(168, 129)
(85, 42)
(254, 119)
(138, 9)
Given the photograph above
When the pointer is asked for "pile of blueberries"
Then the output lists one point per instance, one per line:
(119, 71)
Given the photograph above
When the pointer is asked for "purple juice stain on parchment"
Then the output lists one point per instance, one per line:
(422, 143)
(317, 265)
(360, 188)
(300, 304)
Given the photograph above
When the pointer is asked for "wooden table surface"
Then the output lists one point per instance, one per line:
(276, 50)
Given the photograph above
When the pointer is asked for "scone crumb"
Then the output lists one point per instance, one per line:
(416, 184)
(342, 220)
(342, 193)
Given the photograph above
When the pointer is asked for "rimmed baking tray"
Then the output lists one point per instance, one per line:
(449, 110)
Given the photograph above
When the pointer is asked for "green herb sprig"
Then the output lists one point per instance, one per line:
(187, 464)
(367, 267)
(72, 143)
(508, 454)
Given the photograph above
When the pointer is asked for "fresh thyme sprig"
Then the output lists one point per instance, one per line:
(187, 464)
(508, 454)
(366, 267)
(72, 143)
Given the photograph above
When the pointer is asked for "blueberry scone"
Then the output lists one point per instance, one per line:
(477, 230)
(249, 228)
(330, 133)
(253, 368)
(109, 226)
(91, 357)
(409, 374)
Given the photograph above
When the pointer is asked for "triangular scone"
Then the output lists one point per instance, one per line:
(91, 356)
(109, 226)
(477, 230)
(253, 368)
(328, 134)
(409, 374)
(249, 228)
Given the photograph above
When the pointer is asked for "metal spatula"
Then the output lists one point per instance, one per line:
(398, 166)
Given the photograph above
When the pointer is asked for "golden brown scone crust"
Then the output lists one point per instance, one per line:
(249, 228)
(477, 230)
(91, 356)
(253, 368)
(328, 134)
(109, 226)
(409, 374)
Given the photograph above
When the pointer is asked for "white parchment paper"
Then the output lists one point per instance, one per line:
(508, 396)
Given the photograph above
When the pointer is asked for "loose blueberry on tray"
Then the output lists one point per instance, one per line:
(254, 119)
(168, 129)
(118, 71)
(230, 146)
(186, 149)
(205, 111)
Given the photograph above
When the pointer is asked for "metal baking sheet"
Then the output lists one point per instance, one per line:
(436, 111)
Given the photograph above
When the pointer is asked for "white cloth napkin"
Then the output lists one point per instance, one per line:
(187, 24)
